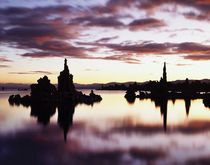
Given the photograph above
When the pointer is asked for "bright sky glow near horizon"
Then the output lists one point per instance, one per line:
(104, 40)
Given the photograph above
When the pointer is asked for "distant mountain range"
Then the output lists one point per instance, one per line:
(14, 86)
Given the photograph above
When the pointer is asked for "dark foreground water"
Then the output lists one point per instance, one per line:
(112, 132)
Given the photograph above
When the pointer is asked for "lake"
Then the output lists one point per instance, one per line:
(112, 132)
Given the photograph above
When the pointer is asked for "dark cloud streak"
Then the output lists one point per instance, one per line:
(145, 23)
(191, 50)
(4, 66)
(32, 72)
(3, 59)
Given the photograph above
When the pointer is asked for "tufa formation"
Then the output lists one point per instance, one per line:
(44, 91)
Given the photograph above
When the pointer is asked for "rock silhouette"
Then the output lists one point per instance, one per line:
(159, 90)
(66, 86)
(162, 89)
(44, 91)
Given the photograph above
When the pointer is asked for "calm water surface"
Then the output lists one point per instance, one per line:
(111, 132)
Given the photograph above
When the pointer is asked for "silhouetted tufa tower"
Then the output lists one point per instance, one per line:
(162, 90)
(164, 73)
(65, 80)
(163, 79)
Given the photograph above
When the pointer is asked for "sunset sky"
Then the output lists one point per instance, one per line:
(104, 40)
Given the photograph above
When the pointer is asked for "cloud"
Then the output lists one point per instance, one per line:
(58, 48)
(172, 35)
(44, 32)
(53, 31)
(110, 21)
(145, 23)
(143, 48)
(3, 59)
(183, 64)
(113, 22)
(89, 70)
(37, 28)
(127, 58)
(114, 6)
(182, 29)
(187, 50)
(32, 72)
(201, 57)
(4, 66)
(199, 17)
(106, 39)
(192, 47)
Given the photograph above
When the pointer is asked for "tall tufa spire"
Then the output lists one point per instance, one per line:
(65, 65)
(164, 73)
(65, 62)
(65, 80)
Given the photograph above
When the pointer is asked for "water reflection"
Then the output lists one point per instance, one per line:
(43, 112)
(187, 102)
(162, 105)
(65, 117)
(111, 132)
(163, 110)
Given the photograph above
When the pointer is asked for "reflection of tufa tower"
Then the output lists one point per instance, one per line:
(65, 117)
(65, 80)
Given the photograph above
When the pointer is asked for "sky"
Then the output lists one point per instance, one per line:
(104, 40)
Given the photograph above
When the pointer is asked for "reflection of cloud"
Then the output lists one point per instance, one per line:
(147, 154)
(45, 145)
(196, 161)
(42, 146)
(192, 127)
(89, 143)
